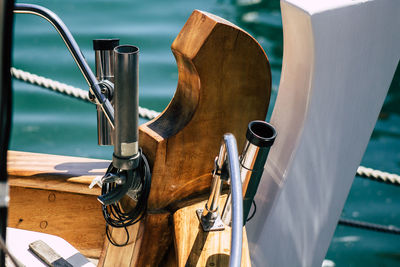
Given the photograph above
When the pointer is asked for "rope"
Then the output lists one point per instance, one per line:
(68, 90)
(81, 94)
(370, 226)
(379, 176)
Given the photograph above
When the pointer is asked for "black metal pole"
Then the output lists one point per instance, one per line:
(6, 20)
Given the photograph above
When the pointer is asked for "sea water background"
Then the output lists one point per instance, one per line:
(47, 122)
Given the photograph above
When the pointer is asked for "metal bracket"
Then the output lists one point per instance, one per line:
(210, 225)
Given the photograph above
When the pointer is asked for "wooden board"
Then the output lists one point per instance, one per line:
(61, 173)
(50, 194)
(76, 218)
(151, 236)
(197, 248)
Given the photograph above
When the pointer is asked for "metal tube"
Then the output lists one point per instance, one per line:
(260, 137)
(126, 102)
(73, 48)
(104, 62)
(237, 204)
(216, 185)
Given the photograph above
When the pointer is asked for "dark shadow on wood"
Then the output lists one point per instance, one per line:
(197, 247)
(218, 260)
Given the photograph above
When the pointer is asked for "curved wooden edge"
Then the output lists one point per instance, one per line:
(224, 83)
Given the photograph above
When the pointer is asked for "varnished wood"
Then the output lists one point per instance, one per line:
(224, 83)
(52, 172)
(75, 217)
(121, 256)
(196, 248)
(50, 194)
(151, 236)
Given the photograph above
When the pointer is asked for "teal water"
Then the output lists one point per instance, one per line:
(46, 122)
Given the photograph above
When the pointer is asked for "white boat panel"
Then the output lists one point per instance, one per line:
(339, 60)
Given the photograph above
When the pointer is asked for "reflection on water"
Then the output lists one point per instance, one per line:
(50, 123)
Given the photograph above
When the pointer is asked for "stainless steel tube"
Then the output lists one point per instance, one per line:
(216, 184)
(73, 48)
(104, 62)
(237, 204)
(260, 137)
(126, 102)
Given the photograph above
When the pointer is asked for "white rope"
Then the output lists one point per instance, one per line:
(67, 89)
(50, 84)
(378, 175)
(151, 114)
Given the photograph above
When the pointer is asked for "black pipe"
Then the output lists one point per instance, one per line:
(5, 111)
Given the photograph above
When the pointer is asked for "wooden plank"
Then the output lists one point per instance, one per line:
(52, 172)
(120, 256)
(197, 248)
(149, 240)
(75, 217)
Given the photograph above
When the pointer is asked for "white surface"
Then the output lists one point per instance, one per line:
(339, 59)
(18, 244)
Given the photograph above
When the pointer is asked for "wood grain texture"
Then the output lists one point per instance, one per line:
(121, 256)
(196, 248)
(52, 172)
(224, 83)
(149, 240)
(75, 217)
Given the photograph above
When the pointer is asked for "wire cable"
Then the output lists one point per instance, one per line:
(114, 214)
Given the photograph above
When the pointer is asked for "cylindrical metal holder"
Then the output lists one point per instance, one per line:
(126, 102)
(260, 137)
(104, 60)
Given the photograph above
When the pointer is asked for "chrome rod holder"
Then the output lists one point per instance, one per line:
(209, 217)
(104, 61)
(260, 137)
(126, 102)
